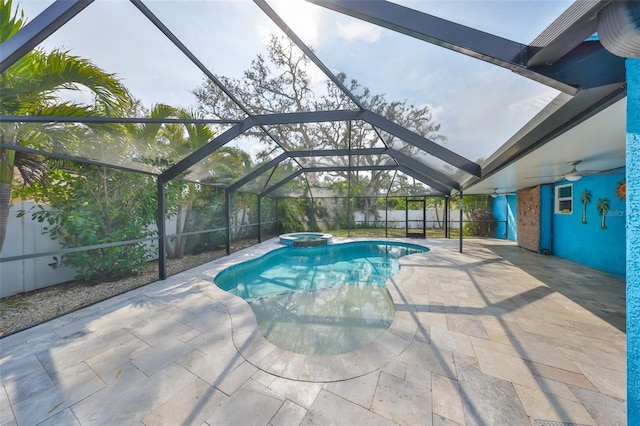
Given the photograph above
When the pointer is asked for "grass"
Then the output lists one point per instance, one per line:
(391, 233)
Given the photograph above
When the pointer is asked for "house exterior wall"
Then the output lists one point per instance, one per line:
(588, 243)
(528, 205)
(505, 210)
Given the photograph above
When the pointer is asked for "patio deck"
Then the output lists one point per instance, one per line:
(494, 336)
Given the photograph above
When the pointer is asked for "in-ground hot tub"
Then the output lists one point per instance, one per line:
(306, 239)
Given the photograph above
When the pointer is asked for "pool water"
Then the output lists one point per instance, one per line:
(320, 300)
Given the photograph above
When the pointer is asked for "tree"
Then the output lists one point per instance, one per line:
(603, 208)
(90, 205)
(31, 86)
(183, 139)
(436, 202)
(280, 83)
(585, 197)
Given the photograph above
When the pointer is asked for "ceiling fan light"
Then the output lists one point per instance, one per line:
(572, 177)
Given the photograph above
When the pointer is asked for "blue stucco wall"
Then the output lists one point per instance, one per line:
(633, 241)
(504, 209)
(588, 244)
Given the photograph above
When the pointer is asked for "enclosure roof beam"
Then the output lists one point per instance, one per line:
(424, 169)
(116, 120)
(352, 168)
(165, 30)
(248, 123)
(258, 171)
(323, 169)
(206, 150)
(281, 182)
(307, 51)
(82, 160)
(425, 144)
(565, 33)
(317, 117)
(180, 45)
(301, 154)
(438, 31)
(424, 179)
(306, 117)
(337, 152)
(37, 30)
(487, 47)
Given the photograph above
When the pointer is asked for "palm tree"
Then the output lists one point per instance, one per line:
(603, 209)
(585, 197)
(31, 86)
(182, 140)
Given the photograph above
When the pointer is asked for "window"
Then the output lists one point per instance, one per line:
(564, 199)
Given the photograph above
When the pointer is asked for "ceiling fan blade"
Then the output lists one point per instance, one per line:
(605, 172)
(546, 176)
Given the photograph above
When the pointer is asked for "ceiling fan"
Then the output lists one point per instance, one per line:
(505, 191)
(574, 174)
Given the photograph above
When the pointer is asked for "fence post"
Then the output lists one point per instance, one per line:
(227, 205)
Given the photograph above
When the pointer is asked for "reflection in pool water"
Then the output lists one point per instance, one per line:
(320, 300)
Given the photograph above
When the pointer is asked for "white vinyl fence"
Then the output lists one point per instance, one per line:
(24, 237)
(396, 218)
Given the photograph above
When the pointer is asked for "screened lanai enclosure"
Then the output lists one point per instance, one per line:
(138, 133)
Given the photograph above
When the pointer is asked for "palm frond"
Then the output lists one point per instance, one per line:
(36, 78)
(10, 23)
(31, 167)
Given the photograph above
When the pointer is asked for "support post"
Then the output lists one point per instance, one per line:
(386, 216)
(259, 219)
(227, 206)
(460, 204)
(424, 215)
(446, 216)
(277, 219)
(349, 174)
(406, 216)
(162, 232)
(633, 240)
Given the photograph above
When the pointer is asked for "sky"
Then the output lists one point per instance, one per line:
(479, 106)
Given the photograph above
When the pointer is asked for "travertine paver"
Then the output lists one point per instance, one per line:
(496, 335)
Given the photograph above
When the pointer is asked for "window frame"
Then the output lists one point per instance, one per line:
(558, 199)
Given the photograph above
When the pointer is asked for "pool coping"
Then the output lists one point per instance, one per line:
(264, 355)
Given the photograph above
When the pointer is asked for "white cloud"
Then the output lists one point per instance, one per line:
(301, 17)
(437, 112)
(531, 105)
(358, 30)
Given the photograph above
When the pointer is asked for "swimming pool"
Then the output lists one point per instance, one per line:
(320, 300)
